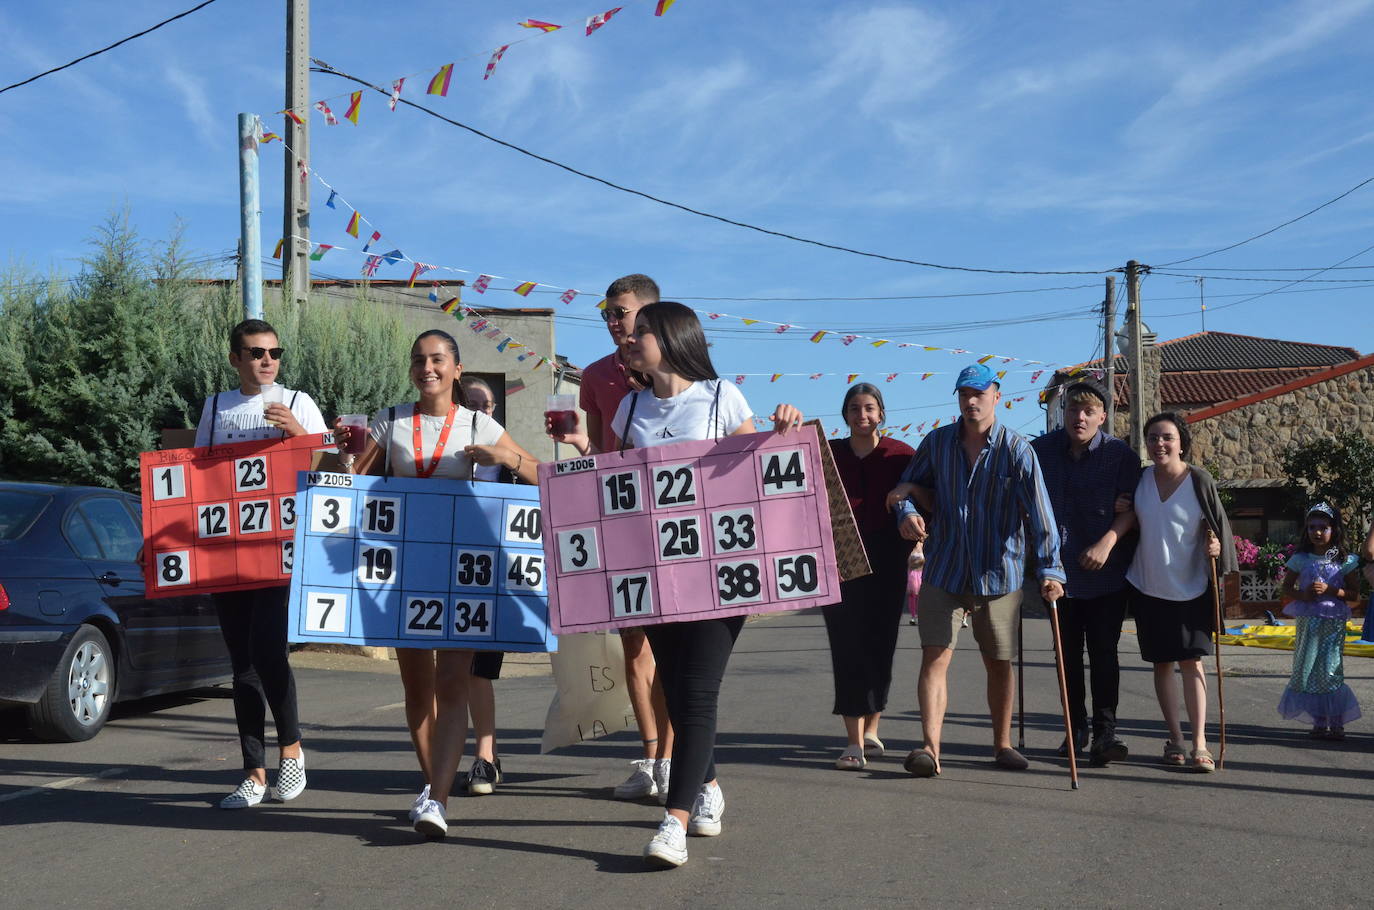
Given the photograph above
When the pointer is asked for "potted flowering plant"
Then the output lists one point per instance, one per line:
(1261, 568)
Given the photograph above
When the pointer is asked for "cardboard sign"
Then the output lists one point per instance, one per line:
(850, 554)
(419, 563)
(688, 531)
(222, 518)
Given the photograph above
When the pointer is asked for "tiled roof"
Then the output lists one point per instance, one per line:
(1202, 388)
(1206, 351)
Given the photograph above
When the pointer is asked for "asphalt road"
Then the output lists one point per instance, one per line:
(128, 818)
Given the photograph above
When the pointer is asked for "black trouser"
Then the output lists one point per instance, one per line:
(691, 659)
(1096, 623)
(863, 639)
(254, 627)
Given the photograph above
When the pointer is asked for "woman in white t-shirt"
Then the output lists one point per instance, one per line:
(436, 437)
(1182, 524)
(684, 400)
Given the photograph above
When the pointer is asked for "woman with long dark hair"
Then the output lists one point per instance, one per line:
(683, 400)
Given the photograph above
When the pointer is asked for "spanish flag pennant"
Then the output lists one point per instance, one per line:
(495, 59)
(353, 223)
(880, 342)
(480, 285)
(355, 101)
(276, 254)
(268, 136)
(544, 27)
(662, 6)
(329, 118)
(905, 428)
(524, 288)
(748, 321)
(602, 304)
(775, 378)
(852, 377)
(320, 251)
(985, 358)
(1007, 405)
(1001, 374)
(816, 338)
(439, 84)
(935, 424)
(567, 296)
(925, 376)
(395, 93)
(930, 347)
(295, 117)
(600, 19)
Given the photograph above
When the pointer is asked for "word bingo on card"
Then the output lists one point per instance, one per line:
(420, 563)
(688, 531)
(222, 518)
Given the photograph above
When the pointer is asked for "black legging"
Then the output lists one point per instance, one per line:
(1094, 622)
(254, 627)
(691, 659)
(863, 639)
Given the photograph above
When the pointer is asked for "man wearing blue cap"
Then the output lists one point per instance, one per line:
(983, 484)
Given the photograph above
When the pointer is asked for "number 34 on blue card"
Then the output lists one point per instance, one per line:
(429, 563)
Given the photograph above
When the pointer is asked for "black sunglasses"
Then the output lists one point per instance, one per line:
(259, 353)
(613, 312)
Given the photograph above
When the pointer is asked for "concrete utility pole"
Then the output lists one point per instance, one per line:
(296, 189)
(1109, 348)
(1137, 364)
(250, 232)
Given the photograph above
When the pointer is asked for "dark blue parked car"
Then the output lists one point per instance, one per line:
(76, 632)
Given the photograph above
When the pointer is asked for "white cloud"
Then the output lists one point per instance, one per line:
(195, 101)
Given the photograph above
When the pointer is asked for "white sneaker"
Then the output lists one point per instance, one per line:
(419, 803)
(706, 812)
(662, 769)
(640, 783)
(667, 848)
(249, 793)
(291, 777)
(431, 821)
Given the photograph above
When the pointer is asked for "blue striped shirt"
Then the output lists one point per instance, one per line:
(977, 542)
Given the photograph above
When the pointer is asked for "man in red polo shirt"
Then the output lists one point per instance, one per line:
(604, 384)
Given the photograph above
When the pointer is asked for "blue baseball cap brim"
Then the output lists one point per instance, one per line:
(975, 376)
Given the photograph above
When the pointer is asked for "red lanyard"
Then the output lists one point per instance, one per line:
(421, 471)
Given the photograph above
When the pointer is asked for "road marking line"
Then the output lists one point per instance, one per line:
(62, 784)
(399, 704)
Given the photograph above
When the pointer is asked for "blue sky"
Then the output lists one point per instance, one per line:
(1022, 136)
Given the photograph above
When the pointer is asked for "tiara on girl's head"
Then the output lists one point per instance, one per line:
(1324, 509)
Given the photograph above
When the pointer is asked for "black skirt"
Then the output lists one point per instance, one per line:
(1171, 630)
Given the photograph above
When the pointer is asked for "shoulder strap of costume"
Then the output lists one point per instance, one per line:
(713, 418)
(472, 465)
(291, 407)
(390, 432)
(214, 418)
(625, 439)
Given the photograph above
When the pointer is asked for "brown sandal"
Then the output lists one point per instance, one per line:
(1202, 761)
(1174, 756)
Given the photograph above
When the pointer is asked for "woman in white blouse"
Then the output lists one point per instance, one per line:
(1182, 524)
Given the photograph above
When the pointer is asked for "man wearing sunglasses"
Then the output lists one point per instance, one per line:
(604, 384)
(239, 414)
(254, 622)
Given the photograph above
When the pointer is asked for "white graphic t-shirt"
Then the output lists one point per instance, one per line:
(469, 428)
(236, 417)
(694, 414)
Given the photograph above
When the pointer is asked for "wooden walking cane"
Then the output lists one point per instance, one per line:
(1221, 700)
(1063, 691)
(1020, 685)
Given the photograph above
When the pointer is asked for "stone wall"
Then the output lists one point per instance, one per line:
(1247, 444)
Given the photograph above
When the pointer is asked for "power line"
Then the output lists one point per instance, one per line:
(1314, 269)
(111, 47)
(1232, 246)
(325, 68)
(1297, 280)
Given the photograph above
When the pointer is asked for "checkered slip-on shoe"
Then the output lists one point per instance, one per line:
(291, 778)
(249, 793)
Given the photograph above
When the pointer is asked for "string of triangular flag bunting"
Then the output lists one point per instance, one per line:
(441, 80)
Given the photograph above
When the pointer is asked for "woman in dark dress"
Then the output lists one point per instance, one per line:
(863, 626)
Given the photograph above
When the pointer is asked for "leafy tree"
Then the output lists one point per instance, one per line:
(92, 368)
(1337, 470)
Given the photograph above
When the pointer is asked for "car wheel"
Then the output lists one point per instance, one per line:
(76, 703)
